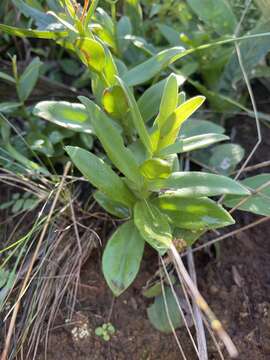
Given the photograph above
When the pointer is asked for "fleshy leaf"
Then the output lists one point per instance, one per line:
(257, 203)
(198, 184)
(100, 175)
(193, 213)
(216, 14)
(122, 257)
(169, 100)
(158, 315)
(28, 79)
(30, 33)
(136, 117)
(68, 115)
(114, 102)
(152, 225)
(112, 207)
(92, 53)
(170, 130)
(192, 143)
(156, 169)
(112, 141)
(150, 68)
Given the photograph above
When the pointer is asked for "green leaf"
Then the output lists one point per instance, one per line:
(152, 225)
(138, 151)
(170, 130)
(40, 143)
(258, 203)
(153, 291)
(225, 157)
(105, 31)
(100, 175)
(68, 115)
(100, 83)
(39, 34)
(193, 213)
(112, 142)
(168, 104)
(110, 70)
(169, 100)
(9, 107)
(28, 79)
(152, 67)
(158, 312)
(150, 100)
(201, 141)
(4, 274)
(7, 77)
(114, 102)
(42, 20)
(252, 53)
(133, 10)
(170, 34)
(156, 169)
(112, 207)
(21, 159)
(198, 184)
(192, 143)
(136, 117)
(193, 127)
(122, 257)
(124, 28)
(91, 53)
(14, 153)
(216, 14)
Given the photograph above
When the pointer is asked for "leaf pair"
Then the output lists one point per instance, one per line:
(171, 116)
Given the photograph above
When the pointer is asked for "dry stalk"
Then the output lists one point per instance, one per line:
(202, 304)
(201, 339)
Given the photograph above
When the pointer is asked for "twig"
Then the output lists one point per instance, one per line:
(254, 167)
(232, 233)
(31, 265)
(79, 254)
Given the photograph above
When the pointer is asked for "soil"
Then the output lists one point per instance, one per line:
(236, 285)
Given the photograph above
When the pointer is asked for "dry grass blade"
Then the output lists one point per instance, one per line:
(170, 320)
(179, 307)
(4, 355)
